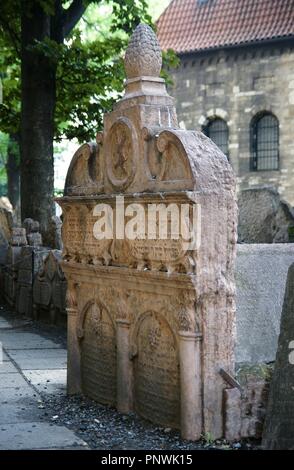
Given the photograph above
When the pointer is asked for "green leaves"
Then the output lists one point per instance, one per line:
(90, 70)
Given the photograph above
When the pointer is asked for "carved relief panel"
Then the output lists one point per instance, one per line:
(121, 153)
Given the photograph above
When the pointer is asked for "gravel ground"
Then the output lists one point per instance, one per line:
(101, 426)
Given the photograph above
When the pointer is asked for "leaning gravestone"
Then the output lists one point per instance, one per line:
(279, 424)
(151, 320)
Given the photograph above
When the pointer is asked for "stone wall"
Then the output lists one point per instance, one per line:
(236, 84)
(261, 273)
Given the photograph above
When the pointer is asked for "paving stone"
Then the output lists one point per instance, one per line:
(7, 367)
(17, 395)
(21, 413)
(12, 380)
(12, 339)
(30, 359)
(36, 435)
(48, 381)
(4, 355)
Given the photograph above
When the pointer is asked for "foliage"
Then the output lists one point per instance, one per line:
(89, 64)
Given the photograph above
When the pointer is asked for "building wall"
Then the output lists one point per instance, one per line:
(236, 84)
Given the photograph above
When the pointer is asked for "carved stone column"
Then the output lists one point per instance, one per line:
(124, 367)
(190, 376)
(73, 352)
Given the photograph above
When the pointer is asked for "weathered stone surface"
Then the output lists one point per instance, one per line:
(5, 232)
(31, 226)
(254, 380)
(34, 239)
(49, 290)
(147, 64)
(151, 321)
(279, 424)
(56, 229)
(232, 419)
(31, 261)
(10, 273)
(263, 217)
(260, 273)
(18, 237)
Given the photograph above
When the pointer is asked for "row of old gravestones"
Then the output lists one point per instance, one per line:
(32, 281)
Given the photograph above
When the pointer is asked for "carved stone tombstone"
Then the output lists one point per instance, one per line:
(151, 318)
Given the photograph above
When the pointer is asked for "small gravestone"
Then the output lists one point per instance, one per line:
(5, 232)
(279, 424)
(49, 290)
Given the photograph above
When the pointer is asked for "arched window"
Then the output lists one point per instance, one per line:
(265, 142)
(217, 130)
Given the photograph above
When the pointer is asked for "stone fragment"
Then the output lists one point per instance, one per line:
(264, 217)
(34, 239)
(232, 405)
(31, 226)
(18, 237)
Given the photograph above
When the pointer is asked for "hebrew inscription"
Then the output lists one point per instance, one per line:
(157, 394)
(98, 356)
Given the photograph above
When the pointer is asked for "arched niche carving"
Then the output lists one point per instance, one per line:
(156, 370)
(175, 164)
(85, 173)
(96, 330)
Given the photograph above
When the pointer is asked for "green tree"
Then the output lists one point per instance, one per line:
(69, 78)
(40, 33)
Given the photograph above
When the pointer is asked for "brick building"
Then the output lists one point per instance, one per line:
(236, 82)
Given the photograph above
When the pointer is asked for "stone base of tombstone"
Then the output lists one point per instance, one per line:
(151, 319)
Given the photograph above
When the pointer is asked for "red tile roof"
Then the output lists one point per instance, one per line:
(194, 25)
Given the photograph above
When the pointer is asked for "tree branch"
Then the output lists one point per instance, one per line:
(72, 15)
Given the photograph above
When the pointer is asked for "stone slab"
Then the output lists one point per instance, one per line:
(20, 413)
(7, 367)
(17, 395)
(260, 273)
(15, 380)
(4, 358)
(48, 381)
(37, 436)
(24, 340)
(30, 359)
(278, 431)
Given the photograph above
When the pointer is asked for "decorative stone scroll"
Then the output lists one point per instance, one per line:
(151, 318)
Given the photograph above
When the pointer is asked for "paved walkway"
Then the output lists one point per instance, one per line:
(32, 366)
